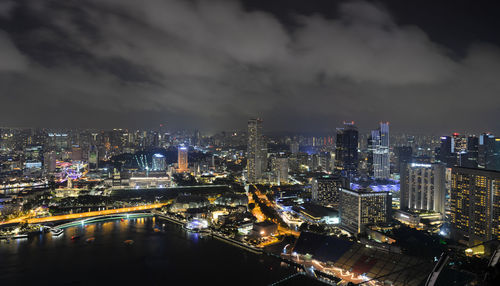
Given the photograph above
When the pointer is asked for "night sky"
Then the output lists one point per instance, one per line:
(425, 66)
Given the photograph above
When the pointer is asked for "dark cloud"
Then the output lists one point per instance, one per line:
(213, 64)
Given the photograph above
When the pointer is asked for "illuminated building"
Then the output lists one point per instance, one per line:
(256, 151)
(58, 141)
(359, 208)
(475, 205)
(380, 150)
(489, 152)
(280, 169)
(423, 187)
(446, 152)
(264, 229)
(459, 143)
(326, 190)
(317, 214)
(346, 151)
(159, 163)
(182, 159)
(49, 161)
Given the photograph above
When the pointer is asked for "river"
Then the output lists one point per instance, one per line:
(171, 256)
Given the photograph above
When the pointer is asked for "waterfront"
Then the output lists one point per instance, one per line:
(155, 258)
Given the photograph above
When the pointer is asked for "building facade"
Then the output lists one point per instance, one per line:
(489, 152)
(182, 159)
(423, 187)
(280, 170)
(360, 208)
(380, 150)
(159, 162)
(346, 151)
(256, 151)
(326, 190)
(474, 205)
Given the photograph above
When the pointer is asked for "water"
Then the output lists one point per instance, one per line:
(170, 257)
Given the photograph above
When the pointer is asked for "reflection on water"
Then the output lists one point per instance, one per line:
(168, 254)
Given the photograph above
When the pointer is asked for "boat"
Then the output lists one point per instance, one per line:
(128, 242)
(90, 239)
(56, 231)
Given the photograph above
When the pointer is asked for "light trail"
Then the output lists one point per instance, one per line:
(86, 214)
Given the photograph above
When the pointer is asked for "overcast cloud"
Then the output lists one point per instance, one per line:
(212, 65)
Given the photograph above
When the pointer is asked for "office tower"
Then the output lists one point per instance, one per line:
(403, 155)
(326, 190)
(325, 161)
(159, 163)
(474, 205)
(489, 152)
(447, 152)
(460, 148)
(280, 169)
(294, 147)
(459, 143)
(58, 141)
(359, 208)
(469, 159)
(380, 151)
(256, 151)
(182, 159)
(423, 187)
(346, 151)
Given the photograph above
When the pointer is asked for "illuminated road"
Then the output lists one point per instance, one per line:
(261, 217)
(86, 214)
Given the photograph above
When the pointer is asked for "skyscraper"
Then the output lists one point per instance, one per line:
(380, 149)
(423, 187)
(256, 151)
(475, 205)
(447, 152)
(359, 208)
(182, 159)
(346, 152)
(489, 152)
(280, 169)
(469, 160)
(404, 155)
(326, 190)
(159, 163)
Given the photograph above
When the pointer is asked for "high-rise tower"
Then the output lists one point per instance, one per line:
(182, 159)
(256, 152)
(474, 205)
(380, 149)
(346, 152)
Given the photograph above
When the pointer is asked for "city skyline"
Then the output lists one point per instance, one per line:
(301, 67)
(250, 142)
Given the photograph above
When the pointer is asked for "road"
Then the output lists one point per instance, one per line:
(261, 217)
(84, 215)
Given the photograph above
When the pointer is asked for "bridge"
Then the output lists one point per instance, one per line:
(102, 218)
(84, 215)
